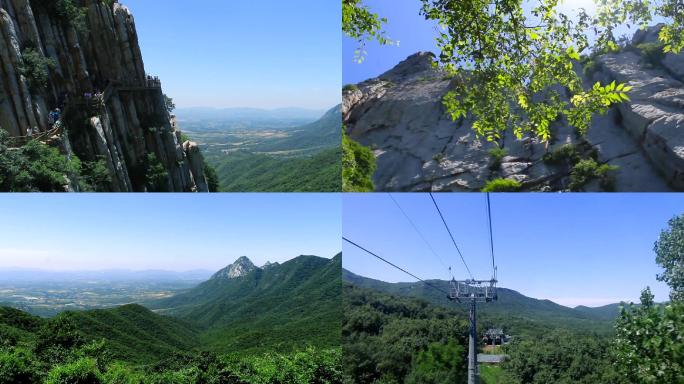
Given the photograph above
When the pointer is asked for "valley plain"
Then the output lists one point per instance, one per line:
(266, 151)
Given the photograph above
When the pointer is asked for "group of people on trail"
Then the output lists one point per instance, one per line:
(54, 117)
(153, 81)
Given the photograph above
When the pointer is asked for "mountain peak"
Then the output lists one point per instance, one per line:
(417, 63)
(240, 267)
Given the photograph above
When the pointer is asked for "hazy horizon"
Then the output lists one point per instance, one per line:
(165, 231)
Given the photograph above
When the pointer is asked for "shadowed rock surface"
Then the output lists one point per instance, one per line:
(132, 121)
(400, 116)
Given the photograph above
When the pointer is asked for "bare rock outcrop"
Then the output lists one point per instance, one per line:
(400, 116)
(129, 124)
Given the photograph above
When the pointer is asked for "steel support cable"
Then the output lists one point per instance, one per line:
(395, 266)
(491, 236)
(452, 236)
(418, 231)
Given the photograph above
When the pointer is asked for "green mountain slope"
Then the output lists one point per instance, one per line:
(511, 304)
(282, 306)
(245, 171)
(321, 134)
(134, 333)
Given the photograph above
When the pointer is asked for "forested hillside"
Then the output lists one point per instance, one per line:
(524, 311)
(391, 337)
(280, 307)
(276, 324)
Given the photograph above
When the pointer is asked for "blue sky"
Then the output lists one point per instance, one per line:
(263, 54)
(590, 249)
(171, 232)
(414, 34)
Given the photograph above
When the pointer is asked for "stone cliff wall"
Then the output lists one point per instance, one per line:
(131, 124)
(400, 116)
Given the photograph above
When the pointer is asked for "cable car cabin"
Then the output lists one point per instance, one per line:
(479, 290)
(494, 337)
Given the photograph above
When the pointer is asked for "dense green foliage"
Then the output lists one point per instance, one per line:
(245, 171)
(33, 167)
(394, 340)
(358, 166)
(502, 185)
(73, 360)
(558, 357)
(134, 333)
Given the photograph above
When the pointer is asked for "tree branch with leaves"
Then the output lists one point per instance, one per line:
(515, 72)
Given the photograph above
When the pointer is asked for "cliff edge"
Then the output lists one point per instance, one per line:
(107, 107)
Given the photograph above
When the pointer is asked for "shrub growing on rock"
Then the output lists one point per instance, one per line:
(502, 185)
(35, 68)
(587, 170)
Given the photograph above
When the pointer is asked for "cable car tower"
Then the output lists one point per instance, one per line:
(476, 291)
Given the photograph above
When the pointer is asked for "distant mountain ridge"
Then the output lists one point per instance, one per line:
(510, 302)
(292, 303)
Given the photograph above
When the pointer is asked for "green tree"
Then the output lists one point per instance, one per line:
(669, 251)
(511, 71)
(358, 166)
(649, 342)
(168, 102)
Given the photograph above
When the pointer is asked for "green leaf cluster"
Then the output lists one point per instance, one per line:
(360, 23)
(35, 68)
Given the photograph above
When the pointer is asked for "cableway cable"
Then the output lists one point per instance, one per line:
(395, 266)
(417, 231)
(452, 236)
(491, 236)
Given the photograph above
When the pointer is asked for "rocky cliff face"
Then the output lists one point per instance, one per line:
(129, 124)
(400, 116)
